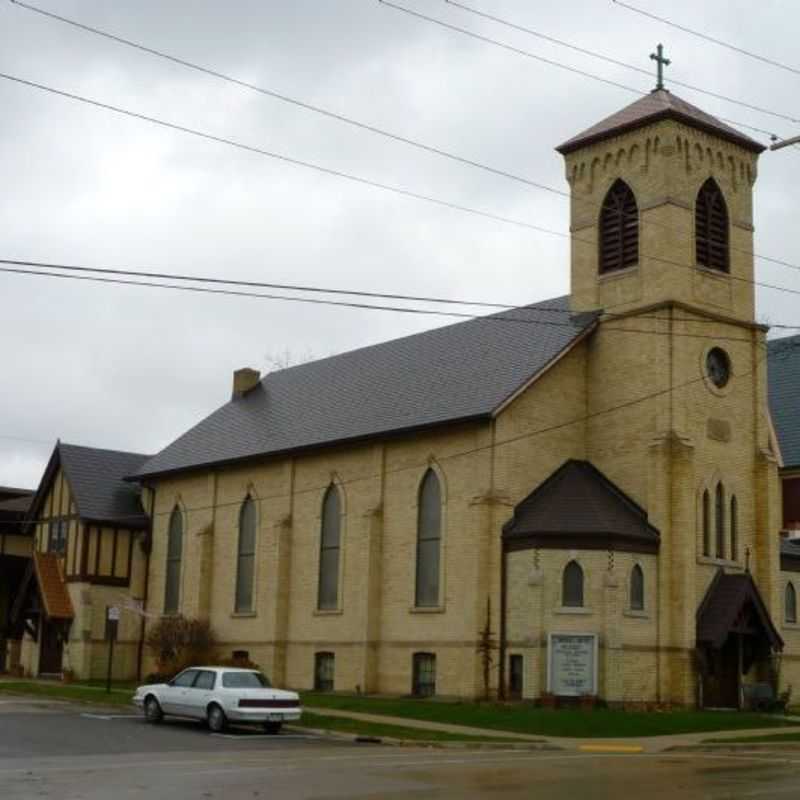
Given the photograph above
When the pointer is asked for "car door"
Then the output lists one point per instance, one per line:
(201, 692)
(175, 697)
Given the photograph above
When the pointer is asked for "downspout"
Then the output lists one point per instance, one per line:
(142, 629)
(501, 689)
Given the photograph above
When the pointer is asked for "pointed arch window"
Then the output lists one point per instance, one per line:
(734, 529)
(246, 557)
(172, 588)
(637, 588)
(706, 524)
(330, 546)
(619, 229)
(719, 503)
(429, 540)
(711, 227)
(572, 586)
(790, 604)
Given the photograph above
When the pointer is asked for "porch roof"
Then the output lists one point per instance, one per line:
(53, 590)
(727, 595)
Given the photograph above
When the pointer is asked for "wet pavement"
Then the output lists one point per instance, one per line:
(64, 751)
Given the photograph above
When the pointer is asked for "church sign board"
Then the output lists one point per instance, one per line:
(572, 664)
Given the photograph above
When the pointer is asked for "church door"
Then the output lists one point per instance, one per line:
(52, 649)
(722, 684)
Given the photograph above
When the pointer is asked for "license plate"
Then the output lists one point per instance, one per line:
(275, 717)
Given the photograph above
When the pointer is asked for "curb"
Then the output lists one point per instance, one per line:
(439, 745)
(738, 747)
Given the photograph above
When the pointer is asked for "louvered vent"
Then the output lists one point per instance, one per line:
(619, 229)
(711, 227)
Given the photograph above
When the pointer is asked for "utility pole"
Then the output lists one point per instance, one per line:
(785, 143)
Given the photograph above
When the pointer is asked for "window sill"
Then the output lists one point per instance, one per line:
(426, 610)
(719, 562)
(618, 273)
(712, 273)
(791, 626)
(327, 612)
(243, 614)
(573, 610)
(636, 613)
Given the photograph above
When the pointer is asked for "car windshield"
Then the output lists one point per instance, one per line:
(245, 680)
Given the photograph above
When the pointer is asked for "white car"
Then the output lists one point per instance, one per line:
(218, 695)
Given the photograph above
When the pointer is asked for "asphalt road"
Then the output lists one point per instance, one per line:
(62, 751)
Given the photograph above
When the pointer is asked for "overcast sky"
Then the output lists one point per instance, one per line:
(132, 368)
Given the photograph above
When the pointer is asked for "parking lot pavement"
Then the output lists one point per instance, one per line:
(64, 751)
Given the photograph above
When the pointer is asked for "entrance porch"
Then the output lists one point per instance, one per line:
(737, 642)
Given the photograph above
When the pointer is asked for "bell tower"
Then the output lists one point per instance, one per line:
(661, 209)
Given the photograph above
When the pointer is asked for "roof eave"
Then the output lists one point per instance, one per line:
(746, 142)
(142, 477)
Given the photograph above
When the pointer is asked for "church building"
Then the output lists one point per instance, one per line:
(593, 483)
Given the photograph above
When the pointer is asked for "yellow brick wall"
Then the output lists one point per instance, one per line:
(376, 630)
(627, 639)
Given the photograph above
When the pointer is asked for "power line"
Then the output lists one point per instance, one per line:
(498, 318)
(362, 125)
(551, 62)
(285, 98)
(269, 154)
(472, 450)
(357, 178)
(610, 60)
(706, 37)
(49, 265)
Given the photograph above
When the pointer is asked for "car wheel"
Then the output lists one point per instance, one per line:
(152, 710)
(216, 719)
(272, 727)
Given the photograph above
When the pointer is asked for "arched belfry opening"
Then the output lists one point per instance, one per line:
(619, 229)
(649, 224)
(711, 228)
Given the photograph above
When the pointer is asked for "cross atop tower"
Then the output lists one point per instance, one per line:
(662, 62)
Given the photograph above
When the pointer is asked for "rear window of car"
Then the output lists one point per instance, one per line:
(245, 680)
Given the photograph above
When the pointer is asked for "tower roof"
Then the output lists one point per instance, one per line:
(654, 107)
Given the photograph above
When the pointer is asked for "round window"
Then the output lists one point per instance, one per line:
(718, 367)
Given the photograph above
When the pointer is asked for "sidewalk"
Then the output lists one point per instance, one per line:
(642, 744)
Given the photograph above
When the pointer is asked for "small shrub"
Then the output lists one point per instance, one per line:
(179, 642)
(238, 663)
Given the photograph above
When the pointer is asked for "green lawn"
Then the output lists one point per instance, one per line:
(60, 691)
(525, 718)
(358, 728)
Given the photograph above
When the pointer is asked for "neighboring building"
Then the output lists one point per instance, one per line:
(90, 539)
(784, 400)
(598, 473)
(15, 554)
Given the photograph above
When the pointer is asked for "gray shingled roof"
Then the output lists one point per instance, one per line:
(455, 373)
(96, 476)
(578, 506)
(783, 362)
(658, 105)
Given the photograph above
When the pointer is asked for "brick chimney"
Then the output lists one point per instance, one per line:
(244, 380)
